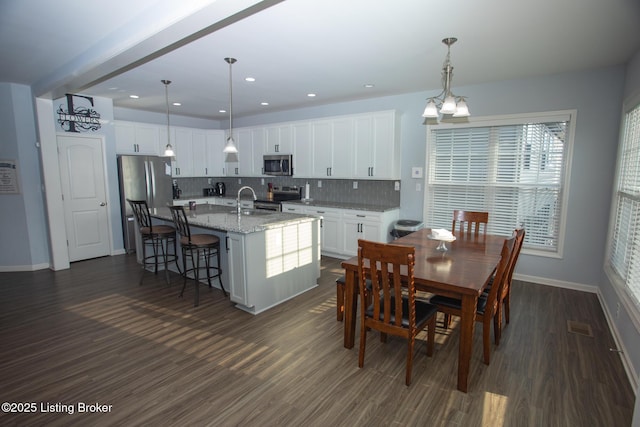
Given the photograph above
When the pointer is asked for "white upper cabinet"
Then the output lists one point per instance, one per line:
(278, 139)
(331, 152)
(250, 142)
(362, 146)
(376, 152)
(302, 153)
(137, 138)
(215, 140)
(199, 152)
(183, 148)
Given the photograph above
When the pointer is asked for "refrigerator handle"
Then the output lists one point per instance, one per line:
(147, 182)
(152, 179)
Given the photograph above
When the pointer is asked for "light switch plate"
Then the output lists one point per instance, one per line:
(355, 185)
(416, 172)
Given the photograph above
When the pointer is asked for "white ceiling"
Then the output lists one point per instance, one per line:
(293, 47)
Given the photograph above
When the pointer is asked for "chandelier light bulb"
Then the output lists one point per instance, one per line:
(431, 110)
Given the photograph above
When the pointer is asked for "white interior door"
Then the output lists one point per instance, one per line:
(84, 193)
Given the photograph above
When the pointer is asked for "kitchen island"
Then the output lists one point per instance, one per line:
(267, 257)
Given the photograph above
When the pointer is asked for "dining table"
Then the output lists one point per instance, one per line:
(460, 269)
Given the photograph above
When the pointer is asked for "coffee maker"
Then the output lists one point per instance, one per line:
(219, 189)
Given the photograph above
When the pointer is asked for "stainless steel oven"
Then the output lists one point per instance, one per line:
(281, 194)
(267, 205)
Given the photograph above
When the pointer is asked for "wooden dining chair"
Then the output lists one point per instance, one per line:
(394, 308)
(487, 307)
(468, 221)
(504, 296)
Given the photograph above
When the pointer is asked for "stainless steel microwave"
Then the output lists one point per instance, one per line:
(278, 164)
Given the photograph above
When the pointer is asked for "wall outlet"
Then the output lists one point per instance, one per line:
(396, 186)
(319, 184)
(355, 185)
(262, 181)
(210, 181)
(239, 180)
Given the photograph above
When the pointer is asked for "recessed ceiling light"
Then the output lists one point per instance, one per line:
(222, 111)
(177, 104)
(134, 96)
(369, 85)
(311, 95)
(249, 79)
(264, 103)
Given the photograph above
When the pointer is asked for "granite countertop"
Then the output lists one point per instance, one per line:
(224, 218)
(344, 205)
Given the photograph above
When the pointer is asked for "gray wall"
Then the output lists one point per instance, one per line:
(23, 245)
(597, 96)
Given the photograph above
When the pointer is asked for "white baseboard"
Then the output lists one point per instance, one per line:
(34, 267)
(557, 283)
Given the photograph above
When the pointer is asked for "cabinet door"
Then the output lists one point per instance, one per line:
(385, 149)
(237, 283)
(278, 139)
(250, 143)
(148, 139)
(183, 148)
(321, 136)
(257, 145)
(342, 143)
(199, 153)
(137, 138)
(363, 147)
(359, 225)
(215, 157)
(330, 228)
(125, 138)
(302, 157)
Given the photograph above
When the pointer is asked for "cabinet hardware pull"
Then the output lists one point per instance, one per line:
(361, 216)
(226, 242)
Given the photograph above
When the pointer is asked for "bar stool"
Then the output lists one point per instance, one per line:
(195, 246)
(159, 237)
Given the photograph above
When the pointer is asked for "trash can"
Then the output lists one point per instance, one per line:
(402, 227)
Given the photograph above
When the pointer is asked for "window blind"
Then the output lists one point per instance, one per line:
(515, 171)
(624, 245)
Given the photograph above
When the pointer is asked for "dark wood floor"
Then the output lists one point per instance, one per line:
(92, 335)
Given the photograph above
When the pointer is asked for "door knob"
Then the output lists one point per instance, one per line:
(103, 204)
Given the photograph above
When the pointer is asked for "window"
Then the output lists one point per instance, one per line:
(624, 244)
(514, 167)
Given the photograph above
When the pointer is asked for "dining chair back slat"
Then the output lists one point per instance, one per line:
(469, 221)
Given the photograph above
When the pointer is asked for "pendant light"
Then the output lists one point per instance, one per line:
(168, 150)
(449, 103)
(230, 147)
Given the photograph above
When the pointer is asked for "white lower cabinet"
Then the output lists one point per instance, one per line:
(237, 274)
(341, 228)
(361, 225)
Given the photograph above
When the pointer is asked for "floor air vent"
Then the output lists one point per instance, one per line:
(579, 328)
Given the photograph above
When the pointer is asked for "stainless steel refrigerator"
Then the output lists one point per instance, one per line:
(142, 178)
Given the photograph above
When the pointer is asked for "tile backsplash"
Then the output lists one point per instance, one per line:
(382, 193)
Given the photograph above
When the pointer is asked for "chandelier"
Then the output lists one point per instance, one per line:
(168, 150)
(230, 146)
(446, 101)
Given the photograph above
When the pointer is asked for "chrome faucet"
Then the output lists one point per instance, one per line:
(246, 187)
